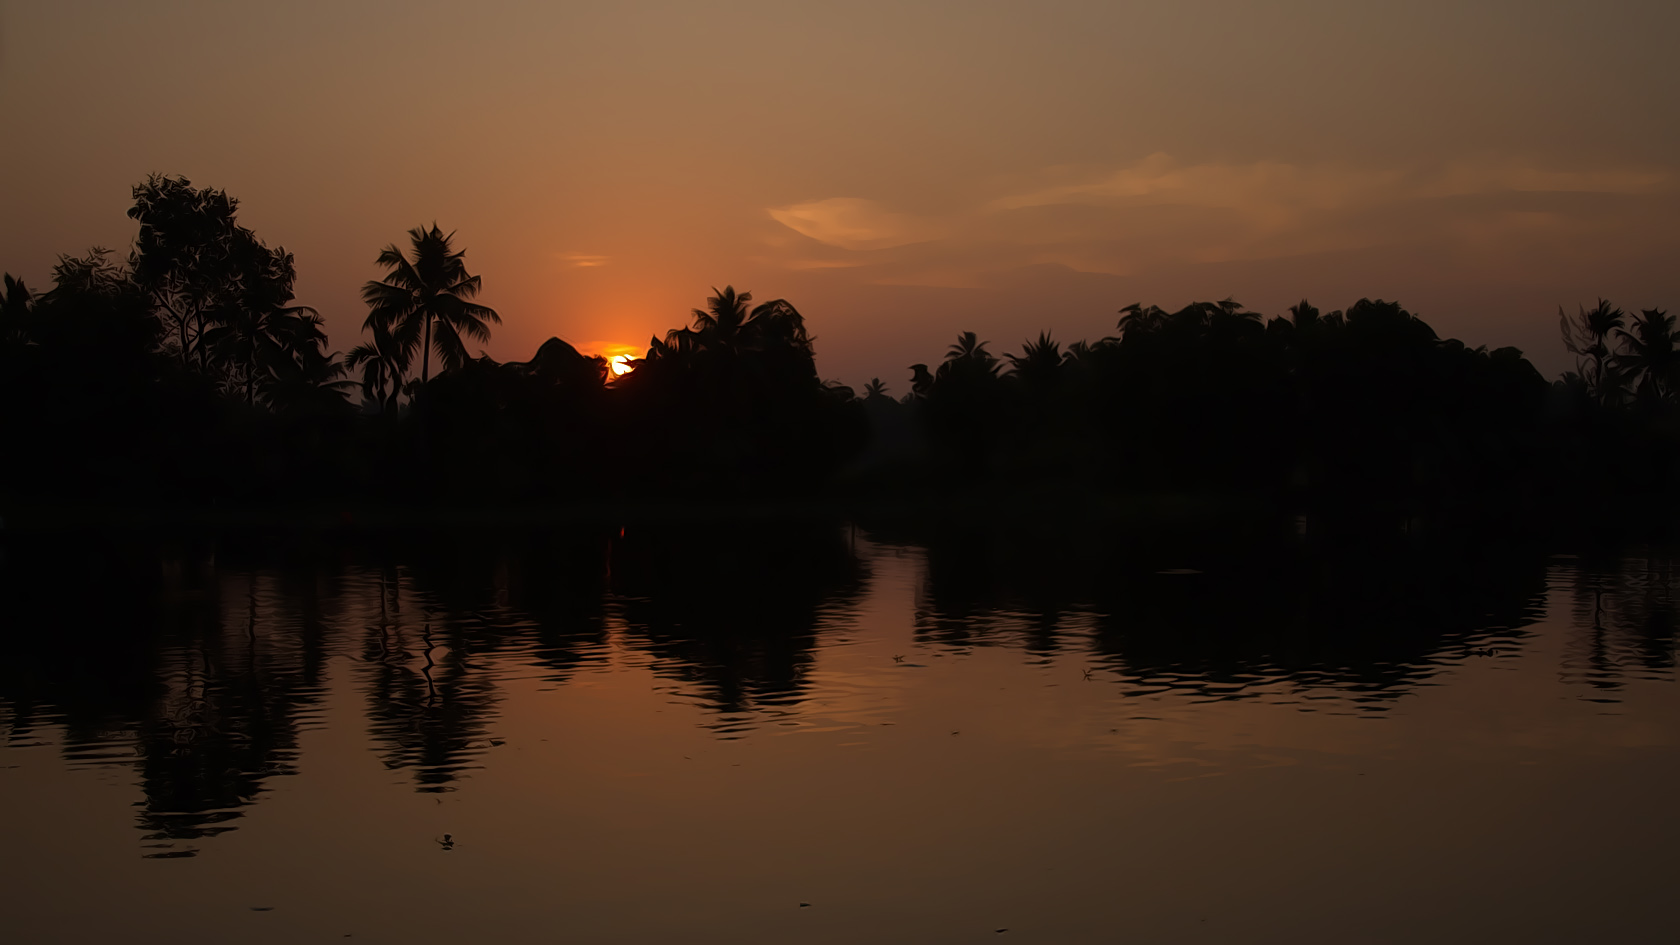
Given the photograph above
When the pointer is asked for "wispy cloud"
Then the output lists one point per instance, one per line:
(803, 265)
(856, 224)
(1272, 189)
(1162, 212)
(582, 260)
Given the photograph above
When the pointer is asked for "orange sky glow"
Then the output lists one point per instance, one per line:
(899, 171)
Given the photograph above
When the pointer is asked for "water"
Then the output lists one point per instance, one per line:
(770, 733)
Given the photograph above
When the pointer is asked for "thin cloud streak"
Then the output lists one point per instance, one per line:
(583, 260)
(1158, 212)
(856, 224)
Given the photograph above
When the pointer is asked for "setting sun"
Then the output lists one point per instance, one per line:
(620, 364)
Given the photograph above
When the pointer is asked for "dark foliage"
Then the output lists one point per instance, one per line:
(188, 376)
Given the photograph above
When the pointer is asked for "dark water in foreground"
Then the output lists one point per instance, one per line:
(808, 734)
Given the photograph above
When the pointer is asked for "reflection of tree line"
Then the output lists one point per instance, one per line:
(203, 674)
(734, 615)
(1626, 620)
(190, 361)
(206, 661)
(1225, 616)
(231, 689)
(211, 665)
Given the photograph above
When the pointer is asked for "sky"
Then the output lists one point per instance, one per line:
(899, 171)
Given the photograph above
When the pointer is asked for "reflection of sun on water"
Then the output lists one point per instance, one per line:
(620, 365)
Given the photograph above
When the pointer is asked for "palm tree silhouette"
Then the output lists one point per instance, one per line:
(1040, 362)
(969, 348)
(297, 371)
(1303, 315)
(1649, 351)
(725, 327)
(968, 363)
(1137, 320)
(426, 301)
(875, 388)
(253, 337)
(725, 314)
(1587, 336)
(778, 325)
(384, 365)
(725, 324)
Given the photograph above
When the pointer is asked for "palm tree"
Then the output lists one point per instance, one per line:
(297, 372)
(246, 337)
(1137, 320)
(721, 321)
(968, 362)
(725, 324)
(1039, 363)
(874, 389)
(1649, 350)
(252, 345)
(426, 301)
(679, 344)
(1303, 315)
(778, 325)
(968, 346)
(1587, 336)
(969, 349)
(383, 365)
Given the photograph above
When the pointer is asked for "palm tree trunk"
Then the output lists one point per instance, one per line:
(426, 352)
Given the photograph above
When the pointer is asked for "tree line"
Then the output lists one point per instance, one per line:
(187, 374)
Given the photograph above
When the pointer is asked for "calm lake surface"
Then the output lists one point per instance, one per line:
(807, 733)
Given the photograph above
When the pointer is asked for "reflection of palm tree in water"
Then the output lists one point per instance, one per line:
(428, 704)
(431, 685)
(1628, 611)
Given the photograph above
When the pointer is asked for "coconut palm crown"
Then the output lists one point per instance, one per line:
(425, 302)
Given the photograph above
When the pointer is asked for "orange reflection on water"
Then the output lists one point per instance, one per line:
(813, 736)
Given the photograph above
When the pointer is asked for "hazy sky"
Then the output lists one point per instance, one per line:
(900, 171)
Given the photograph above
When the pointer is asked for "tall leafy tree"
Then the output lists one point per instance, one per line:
(188, 238)
(223, 296)
(426, 301)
